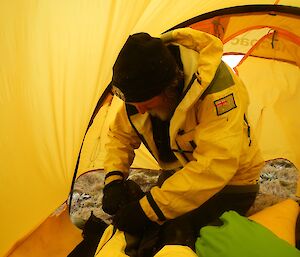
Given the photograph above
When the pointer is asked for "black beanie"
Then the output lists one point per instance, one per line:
(144, 67)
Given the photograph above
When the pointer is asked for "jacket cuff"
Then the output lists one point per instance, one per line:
(151, 209)
(113, 176)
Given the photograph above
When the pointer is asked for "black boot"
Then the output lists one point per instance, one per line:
(92, 233)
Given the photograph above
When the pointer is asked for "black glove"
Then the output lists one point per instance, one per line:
(118, 193)
(114, 196)
(131, 219)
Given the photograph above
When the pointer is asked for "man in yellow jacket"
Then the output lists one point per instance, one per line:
(190, 111)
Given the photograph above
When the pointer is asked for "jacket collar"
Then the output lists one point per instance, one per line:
(200, 55)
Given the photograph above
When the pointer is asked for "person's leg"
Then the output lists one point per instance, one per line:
(184, 230)
(211, 210)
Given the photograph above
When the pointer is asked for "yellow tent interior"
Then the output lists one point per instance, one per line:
(56, 59)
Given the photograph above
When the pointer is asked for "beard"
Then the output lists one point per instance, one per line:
(161, 114)
(166, 111)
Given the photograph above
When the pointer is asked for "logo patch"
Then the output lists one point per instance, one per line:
(225, 104)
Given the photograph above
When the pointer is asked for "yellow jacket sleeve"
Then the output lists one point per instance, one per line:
(122, 141)
(221, 140)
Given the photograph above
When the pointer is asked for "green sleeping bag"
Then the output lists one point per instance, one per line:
(241, 237)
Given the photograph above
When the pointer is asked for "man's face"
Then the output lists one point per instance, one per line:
(160, 106)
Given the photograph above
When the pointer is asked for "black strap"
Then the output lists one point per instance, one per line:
(249, 135)
(113, 173)
(182, 152)
(155, 207)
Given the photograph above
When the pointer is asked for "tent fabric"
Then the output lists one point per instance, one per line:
(55, 237)
(54, 66)
(276, 106)
(280, 218)
(56, 59)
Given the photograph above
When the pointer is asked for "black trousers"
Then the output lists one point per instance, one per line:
(184, 229)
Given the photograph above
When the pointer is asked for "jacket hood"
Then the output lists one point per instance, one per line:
(202, 62)
(208, 47)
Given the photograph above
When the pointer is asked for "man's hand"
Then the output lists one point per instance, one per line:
(131, 219)
(114, 196)
(119, 193)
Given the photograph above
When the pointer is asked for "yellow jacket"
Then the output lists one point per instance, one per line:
(209, 132)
